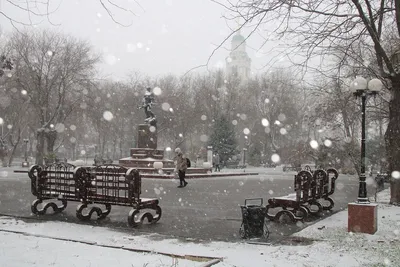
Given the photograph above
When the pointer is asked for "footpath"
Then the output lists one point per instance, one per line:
(326, 243)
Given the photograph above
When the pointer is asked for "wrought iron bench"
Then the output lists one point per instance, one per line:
(105, 185)
(311, 188)
(291, 206)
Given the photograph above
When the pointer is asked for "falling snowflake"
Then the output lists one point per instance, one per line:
(165, 106)
(204, 138)
(396, 174)
(314, 144)
(157, 91)
(60, 127)
(111, 59)
(275, 158)
(282, 117)
(108, 116)
(328, 143)
(130, 48)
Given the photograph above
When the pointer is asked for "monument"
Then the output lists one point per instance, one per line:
(146, 153)
(149, 160)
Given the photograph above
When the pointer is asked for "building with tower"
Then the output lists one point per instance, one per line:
(238, 63)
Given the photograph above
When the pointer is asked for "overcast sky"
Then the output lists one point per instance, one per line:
(164, 36)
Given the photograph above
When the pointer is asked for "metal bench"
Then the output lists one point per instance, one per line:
(311, 188)
(102, 185)
(291, 206)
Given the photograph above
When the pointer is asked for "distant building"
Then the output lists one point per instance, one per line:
(238, 63)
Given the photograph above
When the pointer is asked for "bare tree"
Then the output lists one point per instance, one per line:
(54, 70)
(12, 104)
(37, 11)
(5, 65)
(316, 27)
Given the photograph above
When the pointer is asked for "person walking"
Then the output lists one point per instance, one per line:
(181, 166)
(217, 162)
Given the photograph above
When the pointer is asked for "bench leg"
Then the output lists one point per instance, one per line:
(158, 214)
(285, 216)
(316, 204)
(133, 218)
(41, 211)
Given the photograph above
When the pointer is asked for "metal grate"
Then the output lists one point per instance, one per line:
(57, 181)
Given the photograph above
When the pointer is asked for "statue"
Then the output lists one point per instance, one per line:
(147, 102)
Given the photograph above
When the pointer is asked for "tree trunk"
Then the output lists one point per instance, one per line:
(74, 151)
(11, 158)
(103, 145)
(392, 139)
(40, 147)
(121, 148)
(51, 137)
(114, 149)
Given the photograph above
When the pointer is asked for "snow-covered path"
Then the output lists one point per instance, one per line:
(25, 243)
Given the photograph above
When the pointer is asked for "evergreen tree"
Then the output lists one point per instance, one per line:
(223, 139)
(255, 155)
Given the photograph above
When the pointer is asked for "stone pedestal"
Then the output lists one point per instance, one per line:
(147, 136)
(146, 154)
(362, 218)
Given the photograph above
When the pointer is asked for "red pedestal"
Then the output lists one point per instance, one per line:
(362, 218)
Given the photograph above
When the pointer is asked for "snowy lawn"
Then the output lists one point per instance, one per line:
(66, 244)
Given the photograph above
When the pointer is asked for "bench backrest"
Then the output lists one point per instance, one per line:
(53, 181)
(332, 176)
(320, 183)
(302, 183)
(323, 183)
(112, 184)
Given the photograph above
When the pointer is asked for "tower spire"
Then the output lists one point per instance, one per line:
(238, 26)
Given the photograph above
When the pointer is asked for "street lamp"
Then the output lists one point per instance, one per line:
(362, 88)
(1, 123)
(26, 163)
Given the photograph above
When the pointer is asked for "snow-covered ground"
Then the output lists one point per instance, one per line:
(24, 243)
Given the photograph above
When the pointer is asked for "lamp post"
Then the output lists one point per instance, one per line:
(1, 123)
(3, 149)
(362, 88)
(26, 163)
(363, 215)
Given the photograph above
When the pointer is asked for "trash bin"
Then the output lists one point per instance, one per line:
(253, 219)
